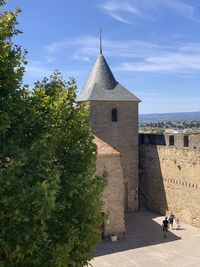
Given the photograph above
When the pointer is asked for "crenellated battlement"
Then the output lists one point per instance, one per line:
(176, 140)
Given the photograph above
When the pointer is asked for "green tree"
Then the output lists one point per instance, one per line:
(50, 200)
(12, 61)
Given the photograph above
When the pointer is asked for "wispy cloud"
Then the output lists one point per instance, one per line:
(87, 43)
(136, 56)
(36, 69)
(128, 11)
(186, 10)
(167, 63)
(87, 46)
(119, 18)
(117, 10)
(115, 6)
(49, 59)
(86, 59)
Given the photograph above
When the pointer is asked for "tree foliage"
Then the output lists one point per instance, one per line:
(50, 200)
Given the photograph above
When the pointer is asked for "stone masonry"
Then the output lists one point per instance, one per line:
(108, 159)
(123, 136)
(170, 177)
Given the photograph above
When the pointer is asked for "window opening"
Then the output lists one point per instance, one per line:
(114, 114)
(171, 140)
(186, 141)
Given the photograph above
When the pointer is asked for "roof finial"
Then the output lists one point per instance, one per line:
(100, 40)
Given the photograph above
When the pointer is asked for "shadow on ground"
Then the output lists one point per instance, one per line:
(141, 231)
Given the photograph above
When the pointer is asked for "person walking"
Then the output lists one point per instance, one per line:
(171, 220)
(165, 226)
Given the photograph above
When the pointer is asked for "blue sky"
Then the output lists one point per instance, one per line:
(152, 46)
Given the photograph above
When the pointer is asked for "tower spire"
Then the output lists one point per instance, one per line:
(100, 32)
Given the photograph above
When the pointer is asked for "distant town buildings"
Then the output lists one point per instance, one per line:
(189, 127)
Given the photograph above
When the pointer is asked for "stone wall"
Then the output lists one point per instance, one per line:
(123, 136)
(113, 196)
(170, 178)
(177, 140)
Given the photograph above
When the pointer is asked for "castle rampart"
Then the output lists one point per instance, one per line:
(177, 140)
(170, 175)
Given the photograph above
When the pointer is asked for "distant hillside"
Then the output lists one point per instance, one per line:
(181, 116)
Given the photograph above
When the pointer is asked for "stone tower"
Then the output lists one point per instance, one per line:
(114, 119)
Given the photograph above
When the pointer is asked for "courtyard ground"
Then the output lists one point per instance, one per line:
(144, 246)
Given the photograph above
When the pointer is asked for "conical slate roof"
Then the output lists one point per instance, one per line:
(101, 85)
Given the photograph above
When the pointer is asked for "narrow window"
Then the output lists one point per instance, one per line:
(185, 141)
(114, 114)
(171, 140)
